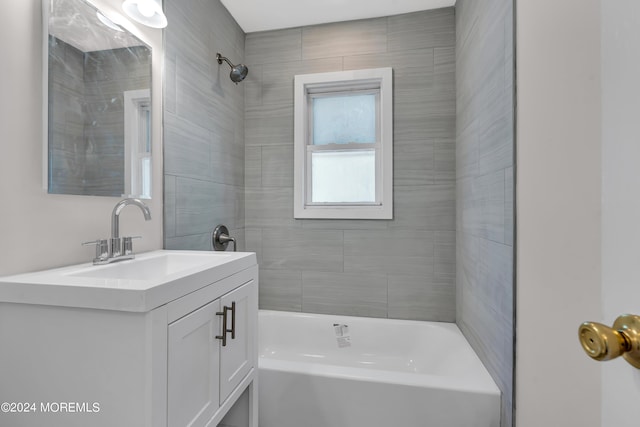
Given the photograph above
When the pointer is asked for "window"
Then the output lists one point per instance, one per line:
(343, 145)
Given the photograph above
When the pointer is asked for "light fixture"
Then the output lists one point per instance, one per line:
(108, 22)
(147, 12)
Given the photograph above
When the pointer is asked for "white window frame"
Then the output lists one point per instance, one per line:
(137, 181)
(308, 86)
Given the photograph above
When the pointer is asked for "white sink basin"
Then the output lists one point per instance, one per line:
(150, 280)
(152, 268)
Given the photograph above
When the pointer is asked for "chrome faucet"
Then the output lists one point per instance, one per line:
(117, 248)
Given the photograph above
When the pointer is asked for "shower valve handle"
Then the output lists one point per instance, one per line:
(220, 238)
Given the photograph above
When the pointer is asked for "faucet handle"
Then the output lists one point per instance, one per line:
(102, 249)
(127, 244)
(220, 239)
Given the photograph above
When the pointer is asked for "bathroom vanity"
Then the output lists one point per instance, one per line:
(167, 339)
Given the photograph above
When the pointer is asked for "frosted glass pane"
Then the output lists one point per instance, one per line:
(343, 177)
(344, 119)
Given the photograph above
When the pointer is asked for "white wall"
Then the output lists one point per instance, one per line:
(621, 195)
(38, 230)
(558, 193)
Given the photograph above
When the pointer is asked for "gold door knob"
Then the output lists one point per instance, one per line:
(601, 342)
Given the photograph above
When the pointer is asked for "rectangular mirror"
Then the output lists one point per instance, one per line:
(98, 115)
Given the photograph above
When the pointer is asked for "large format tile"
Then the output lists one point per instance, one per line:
(277, 166)
(186, 148)
(299, 249)
(227, 159)
(444, 161)
(407, 252)
(222, 25)
(467, 261)
(491, 189)
(495, 142)
(169, 88)
(445, 256)
(421, 298)
(424, 103)
(467, 151)
(414, 162)
(405, 63)
(192, 242)
(253, 242)
(495, 276)
(344, 224)
(253, 167)
(278, 79)
(201, 205)
(424, 207)
(198, 98)
(269, 125)
(408, 126)
(490, 335)
(188, 33)
(169, 205)
(344, 38)
(368, 251)
(509, 210)
(280, 290)
(253, 87)
(269, 207)
(445, 68)
(432, 28)
(267, 47)
(484, 169)
(344, 294)
(412, 69)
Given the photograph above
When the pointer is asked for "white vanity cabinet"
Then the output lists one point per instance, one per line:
(206, 363)
(115, 347)
(194, 367)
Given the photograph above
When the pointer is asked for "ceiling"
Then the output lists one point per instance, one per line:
(261, 15)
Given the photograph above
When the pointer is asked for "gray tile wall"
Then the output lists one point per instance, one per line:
(204, 156)
(484, 185)
(401, 268)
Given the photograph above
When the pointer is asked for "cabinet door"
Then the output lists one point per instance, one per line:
(193, 367)
(237, 357)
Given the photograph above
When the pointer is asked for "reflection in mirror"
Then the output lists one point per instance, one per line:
(99, 104)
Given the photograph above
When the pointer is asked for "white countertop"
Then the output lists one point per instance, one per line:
(150, 280)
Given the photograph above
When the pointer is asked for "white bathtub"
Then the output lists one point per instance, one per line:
(394, 373)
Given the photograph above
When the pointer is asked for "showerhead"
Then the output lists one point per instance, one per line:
(238, 72)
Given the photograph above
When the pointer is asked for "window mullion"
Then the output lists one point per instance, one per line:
(343, 147)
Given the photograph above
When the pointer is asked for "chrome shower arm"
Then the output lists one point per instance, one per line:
(221, 58)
